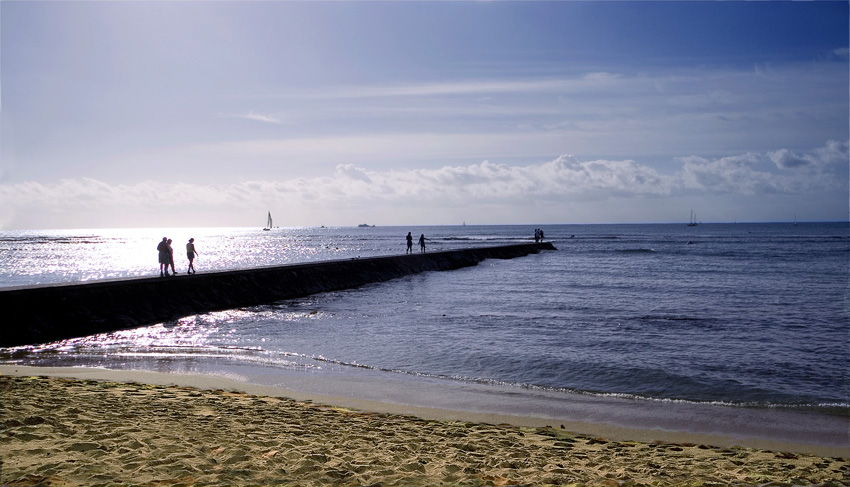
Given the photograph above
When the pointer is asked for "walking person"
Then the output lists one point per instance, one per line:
(191, 253)
(409, 243)
(171, 258)
(164, 257)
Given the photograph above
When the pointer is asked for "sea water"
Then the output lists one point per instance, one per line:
(719, 315)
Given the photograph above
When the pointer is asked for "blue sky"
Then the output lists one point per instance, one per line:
(397, 113)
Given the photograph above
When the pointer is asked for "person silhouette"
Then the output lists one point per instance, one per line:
(171, 258)
(164, 257)
(191, 253)
(422, 240)
(409, 243)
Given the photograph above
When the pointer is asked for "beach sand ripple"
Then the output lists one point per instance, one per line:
(62, 432)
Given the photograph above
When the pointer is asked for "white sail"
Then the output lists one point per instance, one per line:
(269, 222)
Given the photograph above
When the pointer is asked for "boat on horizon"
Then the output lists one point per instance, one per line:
(268, 223)
(693, 221)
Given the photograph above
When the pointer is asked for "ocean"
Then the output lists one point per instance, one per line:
(745, 317)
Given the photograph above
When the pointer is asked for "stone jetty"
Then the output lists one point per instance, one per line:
(46, 313)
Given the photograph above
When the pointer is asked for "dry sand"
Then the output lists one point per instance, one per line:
(63, 431)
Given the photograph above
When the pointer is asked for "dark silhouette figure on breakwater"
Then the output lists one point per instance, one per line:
(171, 257)
(409, 243)
(191, 253)
(164, 257)
(422, 240)
(538, 235)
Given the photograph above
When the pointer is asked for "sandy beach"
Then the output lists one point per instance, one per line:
(67, 431)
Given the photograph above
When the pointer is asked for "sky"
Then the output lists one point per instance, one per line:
(213, 113)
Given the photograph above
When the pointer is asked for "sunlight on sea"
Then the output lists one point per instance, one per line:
(37, 257)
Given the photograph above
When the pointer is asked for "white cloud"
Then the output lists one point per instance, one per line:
(350, 171)
(563, 180)
(741, 174)
(734, 174)
(468, 87)
(785, 159)
(257, 117)
(833, 152)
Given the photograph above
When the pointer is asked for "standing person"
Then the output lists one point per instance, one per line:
(164, 257)
(422, 240)
(191, 253)
(171, 258)
(409, 243)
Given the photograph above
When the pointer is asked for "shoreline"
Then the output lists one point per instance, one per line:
(593, 420)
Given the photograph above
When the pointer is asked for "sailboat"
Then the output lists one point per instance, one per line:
(693, 221)
(269, 223)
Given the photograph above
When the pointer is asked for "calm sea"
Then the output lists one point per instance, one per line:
(728, 315)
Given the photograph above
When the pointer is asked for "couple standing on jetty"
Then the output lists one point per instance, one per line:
(166, 257)
(538, 235)
(422, 240)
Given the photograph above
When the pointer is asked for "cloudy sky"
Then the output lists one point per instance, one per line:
(139, 114)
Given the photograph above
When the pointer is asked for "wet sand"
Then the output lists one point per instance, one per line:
(68, 431)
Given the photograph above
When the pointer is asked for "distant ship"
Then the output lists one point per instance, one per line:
(365, 225)
(693, 221)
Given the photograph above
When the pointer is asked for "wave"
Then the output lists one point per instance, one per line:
(178, 356)
(829, 407)
(484, 238)
(51, 240)
(69, 351)
(671, 318)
